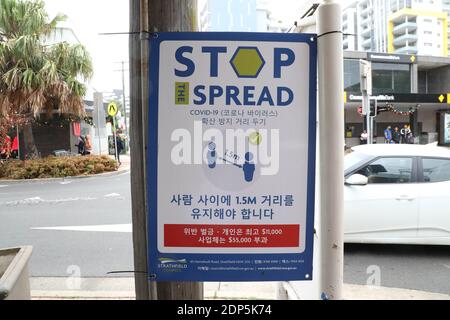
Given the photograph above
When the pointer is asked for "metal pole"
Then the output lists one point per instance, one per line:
(18, 142)
(115, 138)
(98, 102)
(368, 122)
(331, 148)
(375, 110)
(123, 103)
(98, 132)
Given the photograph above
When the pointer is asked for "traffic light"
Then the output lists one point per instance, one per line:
(372, 110)
(360, 110)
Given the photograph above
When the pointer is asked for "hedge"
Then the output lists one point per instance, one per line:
(56, 167)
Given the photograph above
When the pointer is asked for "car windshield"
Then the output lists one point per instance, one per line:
(354, 158)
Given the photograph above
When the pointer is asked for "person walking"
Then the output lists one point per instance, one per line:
(120, 148)
(410, 137)
(81, 145)
(387, 135)
(363, 137)
(396, 135)
(88, 145)
(404, 133)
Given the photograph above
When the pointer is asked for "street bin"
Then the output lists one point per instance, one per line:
(14, 276)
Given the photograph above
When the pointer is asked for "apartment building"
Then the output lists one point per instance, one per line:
(418, 27)
(349, 28)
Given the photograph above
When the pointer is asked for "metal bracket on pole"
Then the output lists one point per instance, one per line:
(365, 73)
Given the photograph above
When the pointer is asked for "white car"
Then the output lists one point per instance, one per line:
(397, 193)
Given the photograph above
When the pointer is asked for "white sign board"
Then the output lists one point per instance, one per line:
(231, 159)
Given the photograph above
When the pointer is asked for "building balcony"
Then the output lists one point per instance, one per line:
(406, 50)
(365, 12)
(367, 42)
(402, 40)
(365, 21)
(402, 27)
(401, 17)
(366, 32)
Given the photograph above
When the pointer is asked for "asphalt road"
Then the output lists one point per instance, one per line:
(104, 204)
(425, 268)
(78, 202)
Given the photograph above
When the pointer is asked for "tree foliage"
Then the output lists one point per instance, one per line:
(37, 77)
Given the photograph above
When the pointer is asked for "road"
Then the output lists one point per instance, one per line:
(70, 203)
(425, 268)
(104, 204)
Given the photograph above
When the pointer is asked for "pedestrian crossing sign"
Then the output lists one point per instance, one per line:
(112, 109)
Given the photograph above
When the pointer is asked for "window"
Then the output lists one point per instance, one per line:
(353, 159)
(391, 78)
(436, 170)
(389, 170)
(351, 75)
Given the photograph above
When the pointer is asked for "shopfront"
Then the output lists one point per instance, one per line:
(400, 96)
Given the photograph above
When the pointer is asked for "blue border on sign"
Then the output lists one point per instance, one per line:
(305, 270)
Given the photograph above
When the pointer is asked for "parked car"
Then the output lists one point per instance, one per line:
(397, 193)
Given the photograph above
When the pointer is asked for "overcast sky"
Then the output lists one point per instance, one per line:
(88, 18)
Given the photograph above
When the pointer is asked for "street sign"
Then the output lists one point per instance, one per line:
(112, 109)
(231, 156)
(392, 58)
(437, 98)
(365, 74)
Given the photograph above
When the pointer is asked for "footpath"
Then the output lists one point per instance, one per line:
(123, 289)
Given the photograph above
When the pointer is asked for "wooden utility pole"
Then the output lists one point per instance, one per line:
(138, 198)
(146, 17)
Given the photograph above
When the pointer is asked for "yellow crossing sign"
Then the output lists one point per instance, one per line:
(112, 109)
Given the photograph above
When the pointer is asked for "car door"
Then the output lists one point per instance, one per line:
(386, 209)
(434, 200)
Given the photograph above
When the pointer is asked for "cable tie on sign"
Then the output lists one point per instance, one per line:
(329, 32)
(131, 271)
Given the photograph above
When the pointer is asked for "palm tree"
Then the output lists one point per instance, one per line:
(36, 77)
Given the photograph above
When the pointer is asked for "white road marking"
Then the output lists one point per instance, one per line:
(3, 186)
(39, 200)
(112, 195)
(115, 196)
(121, 228)
(447, 266)
(66, 182)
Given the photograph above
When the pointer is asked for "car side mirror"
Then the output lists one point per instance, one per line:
(357, 180)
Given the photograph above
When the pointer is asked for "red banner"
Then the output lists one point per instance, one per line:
(231, 236)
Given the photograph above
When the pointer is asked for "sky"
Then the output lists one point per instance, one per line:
(88, 18)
